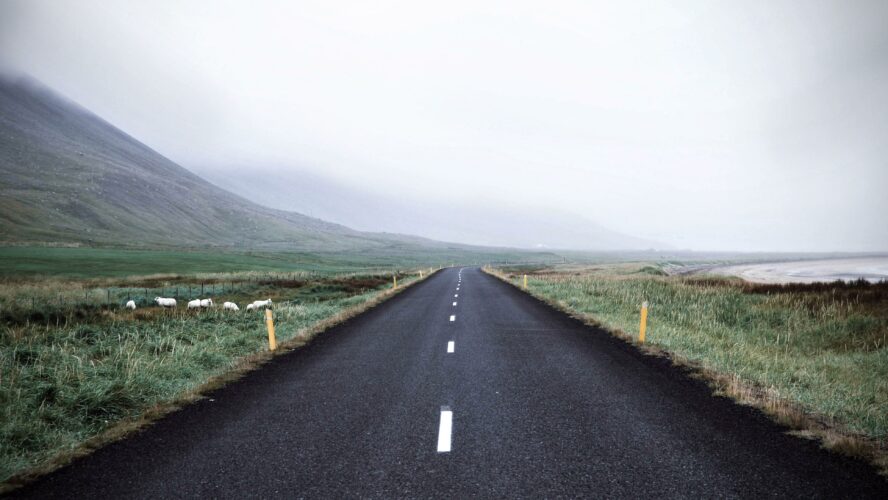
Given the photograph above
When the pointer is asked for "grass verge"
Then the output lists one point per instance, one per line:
(71, 384)
(813, 357)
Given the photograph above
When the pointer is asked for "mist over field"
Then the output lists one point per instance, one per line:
(692, 125)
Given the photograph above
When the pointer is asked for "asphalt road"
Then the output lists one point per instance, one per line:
(541, 406)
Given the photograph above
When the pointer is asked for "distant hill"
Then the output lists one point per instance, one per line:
(491, 225)
(66, 175)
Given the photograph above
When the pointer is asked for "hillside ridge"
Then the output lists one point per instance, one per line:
(70, 176)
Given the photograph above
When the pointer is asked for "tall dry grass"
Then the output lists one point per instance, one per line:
(70, 373)
(809, 354)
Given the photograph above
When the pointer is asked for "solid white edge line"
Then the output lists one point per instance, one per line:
(453, 317)
(445, 429)
(450, 346)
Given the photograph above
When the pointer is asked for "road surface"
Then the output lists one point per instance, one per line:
(476, 392)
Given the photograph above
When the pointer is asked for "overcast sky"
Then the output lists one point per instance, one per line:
(746, 125)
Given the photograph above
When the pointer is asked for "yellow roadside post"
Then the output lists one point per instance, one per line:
(644, 319)
(420, 274)
(272, 343)
(395, 285)
(525, 282)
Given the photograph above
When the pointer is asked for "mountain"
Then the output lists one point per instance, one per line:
(66, 175)
(491, 225)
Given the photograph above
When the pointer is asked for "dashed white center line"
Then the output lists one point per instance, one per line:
(453, 317)
(445, 429)
(455, 295)
(454, 304)
(450, 346)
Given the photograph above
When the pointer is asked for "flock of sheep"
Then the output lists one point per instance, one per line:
(204, 303)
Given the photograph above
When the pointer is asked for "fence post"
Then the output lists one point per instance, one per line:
(644, 317)
(269, 323)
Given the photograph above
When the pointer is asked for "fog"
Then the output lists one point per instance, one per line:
(702, 125)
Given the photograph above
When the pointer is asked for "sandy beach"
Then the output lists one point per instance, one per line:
(872, 269)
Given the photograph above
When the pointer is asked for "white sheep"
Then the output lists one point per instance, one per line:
(162, 302)
(230, 306)
(200, 303)
(251, 307)
(258, 304)
(131, 304)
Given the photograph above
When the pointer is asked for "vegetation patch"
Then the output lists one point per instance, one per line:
(813, 356)
(84, 368)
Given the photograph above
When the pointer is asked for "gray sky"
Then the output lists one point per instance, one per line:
(758, 125)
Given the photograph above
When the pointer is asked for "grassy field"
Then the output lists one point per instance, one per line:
(822, 348)
(90, 262)
(73, 369)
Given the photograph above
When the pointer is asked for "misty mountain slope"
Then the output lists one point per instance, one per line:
(67, 175)
(479, 224)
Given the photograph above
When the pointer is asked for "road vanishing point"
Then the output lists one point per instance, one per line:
(491, 394)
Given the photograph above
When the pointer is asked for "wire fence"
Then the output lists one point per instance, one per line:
(61, 297)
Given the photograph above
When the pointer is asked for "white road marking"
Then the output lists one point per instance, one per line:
(455, 295)
(445, 429)
(453, 317)
(450, 346)
(454, 304)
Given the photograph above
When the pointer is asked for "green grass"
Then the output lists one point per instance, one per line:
(87, 262)
(823, 347)
(69, 373)
(93, 262)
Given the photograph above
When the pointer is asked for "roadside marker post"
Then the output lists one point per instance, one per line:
(525, 282)
(420, 274)
(395, 285)
(269, 322)
(644, 318)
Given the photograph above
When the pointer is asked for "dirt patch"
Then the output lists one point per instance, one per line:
(817, 287)
(284, 283)
(358, 285)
